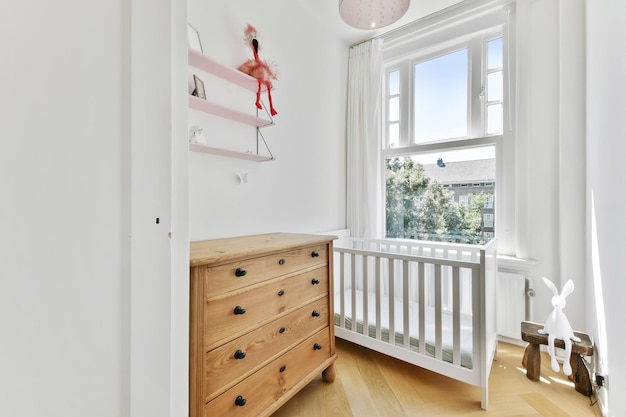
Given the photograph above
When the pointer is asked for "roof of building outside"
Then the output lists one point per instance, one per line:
(482, 170)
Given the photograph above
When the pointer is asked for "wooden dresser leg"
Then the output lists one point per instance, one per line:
(533, 362)
(329, 373)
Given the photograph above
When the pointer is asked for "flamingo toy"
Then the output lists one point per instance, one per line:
(256, 68)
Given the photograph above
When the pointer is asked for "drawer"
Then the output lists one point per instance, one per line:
(255, 393)
(230, 363)
(241, 311)
(225, 278)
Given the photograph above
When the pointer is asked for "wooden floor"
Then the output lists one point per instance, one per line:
(369, 384)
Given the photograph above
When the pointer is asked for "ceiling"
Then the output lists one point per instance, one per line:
(327, 12)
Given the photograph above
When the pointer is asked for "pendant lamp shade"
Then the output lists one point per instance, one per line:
(372, 14)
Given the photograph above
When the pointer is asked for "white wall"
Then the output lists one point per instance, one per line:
(537, 143)
(88, 325)
(606, 202)
(571, 162)
(550, 150)
(303, 190)
(64, 166)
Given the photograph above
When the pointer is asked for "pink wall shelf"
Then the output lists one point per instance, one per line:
(196, 147)
(232, 75)
(219, 110)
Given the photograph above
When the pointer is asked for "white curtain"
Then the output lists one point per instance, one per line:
(363, 129)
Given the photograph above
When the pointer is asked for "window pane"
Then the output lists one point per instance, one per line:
(443, 196)
(494, 53)
(441, 97)
(494, 118)
(494, 86)
(394, 82)
(394, 109)
(394, 135)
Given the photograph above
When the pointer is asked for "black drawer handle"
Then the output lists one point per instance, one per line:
(240, 401)
(282, 368)
(315, 281)
(315, 254)
(315, 313)
(239, 310)
(281, 262)
(281, 293)
(240, 354)
(240, 272)
(317, 346)
(281, 330)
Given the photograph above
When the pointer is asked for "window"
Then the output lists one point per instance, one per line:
(440, 97)
(494, 99)
(428, 201)
(489, 201)
(393, 108)
(444, 121)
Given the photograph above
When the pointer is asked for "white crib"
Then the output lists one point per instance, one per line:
(443, 298)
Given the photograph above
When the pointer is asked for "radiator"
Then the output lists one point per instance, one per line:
(511, 304)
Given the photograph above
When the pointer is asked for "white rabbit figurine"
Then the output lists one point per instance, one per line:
(557, 326)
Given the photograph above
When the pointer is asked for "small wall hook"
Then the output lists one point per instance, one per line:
(243, 177)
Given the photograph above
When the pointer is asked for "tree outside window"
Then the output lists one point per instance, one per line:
(421, 207)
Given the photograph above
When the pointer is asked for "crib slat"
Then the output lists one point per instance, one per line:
(476, 317)
(353, 282)
(422, 307)
(378, 296)
(438, 302)
(456, 317)
(405, 305)
(342, 290)
(365, 276)
(391, 311)
(446, 287)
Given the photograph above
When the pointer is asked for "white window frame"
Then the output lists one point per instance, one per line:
(475, 43)
(446, 32)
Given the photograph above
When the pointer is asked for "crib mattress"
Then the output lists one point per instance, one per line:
(446, 331)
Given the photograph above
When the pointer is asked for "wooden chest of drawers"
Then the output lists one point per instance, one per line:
(261, 324)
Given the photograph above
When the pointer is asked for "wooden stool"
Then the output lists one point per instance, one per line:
(532, 358)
